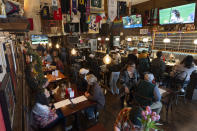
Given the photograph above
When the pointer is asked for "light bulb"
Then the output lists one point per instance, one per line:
(195, 41)
(50, 45)
(166, 40)
(107, 39)
(73, 52)
(117, 39)
(129, 39)
(145, 40)
(57, 46)
(99, 38)
(107, 59)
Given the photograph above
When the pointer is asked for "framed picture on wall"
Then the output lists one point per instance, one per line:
(10, 61)
(7, 101)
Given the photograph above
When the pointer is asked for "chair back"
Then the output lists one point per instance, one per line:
(177, 81)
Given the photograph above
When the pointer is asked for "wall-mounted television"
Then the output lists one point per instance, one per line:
(39, 39)
(178, 15)
(132, 21)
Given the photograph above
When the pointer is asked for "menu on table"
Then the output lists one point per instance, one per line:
(62, 103)
(162, 91)
(68, 102)
(79, 99)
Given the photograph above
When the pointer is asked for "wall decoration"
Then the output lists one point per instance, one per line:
(74, 6)
(96, 3)
(112, 9)
(54, 3)
(2, 123)
(2, 9)
(96, 6)
(88, 8)
(93, 27)
(82, 5)
(122, 7)
(57, 14)
(7, 101)
(143, 31)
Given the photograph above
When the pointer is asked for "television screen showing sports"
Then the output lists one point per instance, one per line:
(177, 15)
(39, 39)
(132, 21)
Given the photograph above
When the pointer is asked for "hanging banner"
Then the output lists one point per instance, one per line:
(112, 9)
(88, 8)
(93, 26)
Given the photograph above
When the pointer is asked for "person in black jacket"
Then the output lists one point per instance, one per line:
(82, 83)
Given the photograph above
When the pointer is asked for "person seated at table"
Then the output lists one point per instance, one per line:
(127, 81)
(147, 93)
(82, 83)
(58, 63)
(143, 63)
(47, 57)
(128, 119)
(45, 116)
(94, 93)
(158, 66)
(187, 66)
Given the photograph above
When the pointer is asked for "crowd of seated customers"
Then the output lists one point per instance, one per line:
(136, 81)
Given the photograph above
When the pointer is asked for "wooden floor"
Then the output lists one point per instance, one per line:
(183, 117)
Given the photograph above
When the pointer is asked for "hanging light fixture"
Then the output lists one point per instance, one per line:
(73, 52)
(166, 40)
(50, 44)
(107, 59)
(99, 38)
(107, 39)
(129, 39)
(57, 46)
(145, 40)
(195, 41)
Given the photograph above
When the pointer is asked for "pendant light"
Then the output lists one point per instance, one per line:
(107, 59)
(73, 51)
(57, 46)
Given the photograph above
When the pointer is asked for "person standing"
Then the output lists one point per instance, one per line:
(127, 81)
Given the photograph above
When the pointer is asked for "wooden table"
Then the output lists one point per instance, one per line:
(70, 110)
(52, 78)
(48, 69)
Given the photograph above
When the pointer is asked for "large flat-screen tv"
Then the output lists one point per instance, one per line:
(132, 21)
(39, 39)
(178, 15)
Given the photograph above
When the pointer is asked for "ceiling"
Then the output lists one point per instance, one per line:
(135, 2)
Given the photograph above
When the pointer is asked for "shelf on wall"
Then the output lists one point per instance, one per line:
(180, 41)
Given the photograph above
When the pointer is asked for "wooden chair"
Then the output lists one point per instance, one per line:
(168, 102)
